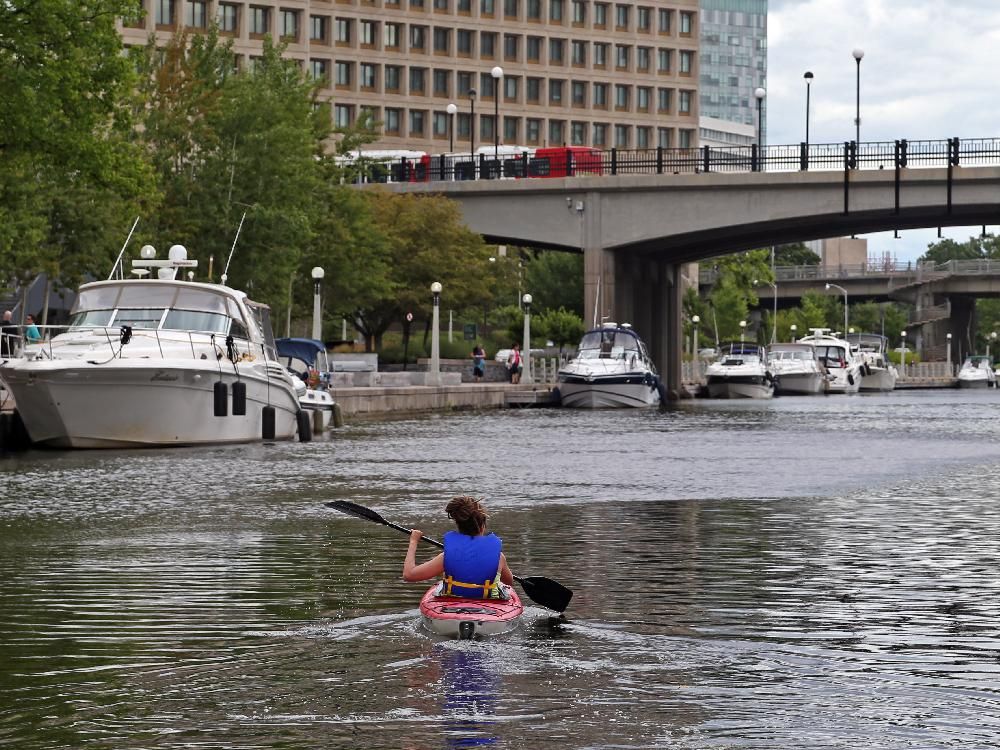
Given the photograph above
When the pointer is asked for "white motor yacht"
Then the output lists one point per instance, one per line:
(612, 368)
(740, 372)
(841, 360)
(977, 372)
(156, 362)
(306, 359)
(796, 370)
(877, 372)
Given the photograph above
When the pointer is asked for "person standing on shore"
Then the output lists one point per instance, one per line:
(514, 364)
(478, 362)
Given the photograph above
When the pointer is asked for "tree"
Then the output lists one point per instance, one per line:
(733, 293)
(975, 248)
(795, 254)
(555, 280)
(561, 327)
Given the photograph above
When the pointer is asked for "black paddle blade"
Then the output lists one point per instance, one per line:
(353, 509)
(546, 592)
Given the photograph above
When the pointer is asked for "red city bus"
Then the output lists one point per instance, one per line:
(567, 161)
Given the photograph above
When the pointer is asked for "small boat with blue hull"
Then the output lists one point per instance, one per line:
(612, 368)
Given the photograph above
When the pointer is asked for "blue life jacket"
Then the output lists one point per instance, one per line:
(471, 565)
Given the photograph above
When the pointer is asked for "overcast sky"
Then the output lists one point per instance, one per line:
(929, 72)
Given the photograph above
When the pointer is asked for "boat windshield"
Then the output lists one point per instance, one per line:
(172, 307)
(609, 344)
(831, 355)
(801, 354)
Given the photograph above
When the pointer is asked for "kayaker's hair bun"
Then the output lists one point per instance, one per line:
(468, 514)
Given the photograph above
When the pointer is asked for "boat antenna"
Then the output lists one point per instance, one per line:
(118, 260)
(597, 302)
(225, 272)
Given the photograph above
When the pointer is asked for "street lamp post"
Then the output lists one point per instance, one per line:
(472, 127)
(695, 320)
(497, 74)
(760, 94)
(858, 54)
(794, 329)
(950, 371)
(451, 109)
(743, 328)
(903, 352)
(434, 376)
(835, 286)
(526, 347)
(317, 329)
(774, 322)
(809, 79)
(991, 340)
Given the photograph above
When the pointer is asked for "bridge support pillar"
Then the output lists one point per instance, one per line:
(667, 342)
(599, 281)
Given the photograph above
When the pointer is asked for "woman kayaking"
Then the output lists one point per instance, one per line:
(472, 564)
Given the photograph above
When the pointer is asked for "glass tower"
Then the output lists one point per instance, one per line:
(733, 63)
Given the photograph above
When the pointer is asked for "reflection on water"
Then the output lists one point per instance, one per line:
(807, 573)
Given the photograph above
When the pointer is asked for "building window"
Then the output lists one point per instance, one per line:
(684, 138)
(600, 134)
(684, 102)
(556, 93)
(164, 12)
(685, 62)
(319, 69)
(464, 125)
(487, 44)
(642, 99)
(369, 76)
(600, 54)
(342, 115)
(579, 53)
(662, 61)
(510, 44)
(601, 95)
(557, 133)
(418, 121)
(486, 127)
(600, 15)
(343, 31)
(196, 14)
(663, 97)
(644, 19)
(642, 137)
(621, 136)
(510, 84)
(663, 23)
(621, 56)
(391, 35)
(442, 40)
(393, 75)
(441, 5)
(578, 133)
(317, 28)
(621, 96)
(442, 83)
(228, 18)
(663, 139)
(369, 33)
(418, 38)
(642, 59)
(556, 47)
(392, 120)
(621, 17)
(532, 130)
(556, 11)
(534, 90)
(418, 80)
(510, 129)
(534, 10)
(487, 8)
(342, 73)
(440, 125)
(687, 22)
(290, 24)
(417, 4)
(510, 8)
(465, 7)
(260, 20)
(463, 42)
(464, 83)
(534, 49)
(579, 93)
(579, 12)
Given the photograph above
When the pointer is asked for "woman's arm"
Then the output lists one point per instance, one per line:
(505, 575)
(430, 569)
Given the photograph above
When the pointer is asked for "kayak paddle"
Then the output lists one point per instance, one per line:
(541, 590)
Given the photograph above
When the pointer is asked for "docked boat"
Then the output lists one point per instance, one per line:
(612, 368)
(977, 372)
(307, 360)
(796, 370)
(841, 360)
(878, 374)
(156, 361)
(740, 372)
(459, 617)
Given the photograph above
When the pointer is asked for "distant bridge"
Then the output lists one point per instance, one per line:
(648, 212)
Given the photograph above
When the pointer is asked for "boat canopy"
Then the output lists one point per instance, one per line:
(306, 350)
(609, 343)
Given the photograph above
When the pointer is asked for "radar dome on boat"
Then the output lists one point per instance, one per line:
(147, 252)
(177, 252)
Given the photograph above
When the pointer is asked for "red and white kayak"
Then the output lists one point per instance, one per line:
(459, 617)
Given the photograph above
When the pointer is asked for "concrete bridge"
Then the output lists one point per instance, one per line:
(636, 230)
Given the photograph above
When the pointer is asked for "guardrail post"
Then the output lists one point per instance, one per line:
(954, 151)
(570, 167)
(804, 157)
(903, 145)
(614, 161)
(442, 165)
(706, 160)
(659, 160)
(754, 165)
(847, 172)
(852, 150)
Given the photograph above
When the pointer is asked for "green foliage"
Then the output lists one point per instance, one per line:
(560, 326)
(975, 248)
(734, 292)
(555, 280)
(795, 254)
(508, 325)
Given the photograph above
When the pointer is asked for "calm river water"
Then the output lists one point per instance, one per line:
(801, 573)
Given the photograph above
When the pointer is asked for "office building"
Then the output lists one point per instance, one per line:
(733, 64)
(575, 72)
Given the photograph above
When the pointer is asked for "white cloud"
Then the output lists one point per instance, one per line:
(929, 72)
